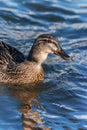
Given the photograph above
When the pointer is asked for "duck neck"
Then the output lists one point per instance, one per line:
(37, 56)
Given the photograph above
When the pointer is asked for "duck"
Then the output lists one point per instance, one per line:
(15, 68)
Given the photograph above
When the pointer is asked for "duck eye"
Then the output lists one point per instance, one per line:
(49, 41)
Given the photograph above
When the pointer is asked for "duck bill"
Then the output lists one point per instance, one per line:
(62, 54)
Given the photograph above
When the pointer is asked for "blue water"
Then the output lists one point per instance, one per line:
(60, 102)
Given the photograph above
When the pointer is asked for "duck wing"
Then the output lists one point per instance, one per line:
(10, 53)
(5, 58)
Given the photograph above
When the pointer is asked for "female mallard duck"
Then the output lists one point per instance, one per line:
(16, 69)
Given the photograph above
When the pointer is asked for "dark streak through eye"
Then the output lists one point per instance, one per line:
(49, 41)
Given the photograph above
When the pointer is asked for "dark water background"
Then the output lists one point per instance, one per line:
(60, 102)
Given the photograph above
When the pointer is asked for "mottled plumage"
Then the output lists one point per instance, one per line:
(16, 69)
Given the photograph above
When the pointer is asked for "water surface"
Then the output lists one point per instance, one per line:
(60, 102)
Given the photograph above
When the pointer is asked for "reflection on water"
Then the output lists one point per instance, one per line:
(59, 103)
(28, 97)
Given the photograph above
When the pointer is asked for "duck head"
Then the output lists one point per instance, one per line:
(46, 44)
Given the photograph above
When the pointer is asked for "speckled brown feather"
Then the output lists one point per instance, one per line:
(24, 73)
(11, 71)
